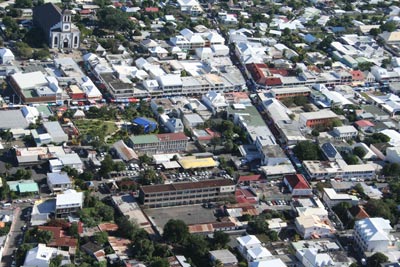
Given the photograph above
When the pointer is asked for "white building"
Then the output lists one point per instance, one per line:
(40, 256)
(247, 242)
(345, 132)
(393, 154)
(268, 263)
(313, 258)
(313, 227)
(258, 254)
(373, 234)
(191, 7)
(331, 198)
(214, 101)
(6, 56)
(68, 203)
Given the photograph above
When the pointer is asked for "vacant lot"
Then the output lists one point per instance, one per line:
(87, 126)
(189, 214)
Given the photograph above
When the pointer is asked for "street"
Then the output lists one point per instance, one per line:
(12, 240)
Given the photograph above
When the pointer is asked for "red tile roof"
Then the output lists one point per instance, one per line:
(249, 178)
(357, 75)
(60, 239)
(172, 137)
(364, 123)
(151, 9)
(297, 181)
(358, 212)
(108, 227)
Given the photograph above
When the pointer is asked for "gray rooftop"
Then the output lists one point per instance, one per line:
(58, 178)
(12, 119)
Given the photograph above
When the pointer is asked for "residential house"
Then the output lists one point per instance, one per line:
(6, 56)
(214, 101)
(24, 187)
(345, 132)
(224, 256)
(331, 198)
(312, 227)
(297, 185)
(58, 182)
(40, 256)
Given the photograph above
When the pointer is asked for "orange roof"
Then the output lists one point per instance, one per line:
(60, 239)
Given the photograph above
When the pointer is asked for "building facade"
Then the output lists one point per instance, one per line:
(157, 196)
(372, 234)
(159, 143)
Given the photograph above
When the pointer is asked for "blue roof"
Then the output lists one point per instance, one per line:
(144, 121)
(58, 178)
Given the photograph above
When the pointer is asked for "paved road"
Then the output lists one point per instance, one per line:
(12, 240)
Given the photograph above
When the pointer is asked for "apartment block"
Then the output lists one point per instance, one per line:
(158, 143)
(157, 196)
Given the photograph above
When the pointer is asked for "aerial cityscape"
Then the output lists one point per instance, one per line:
(199, 133)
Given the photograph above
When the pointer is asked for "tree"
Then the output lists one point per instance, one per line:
(150, 176)
(56, 261)
(306, 150)
(44, 236)
(23, 3)
(215, 141)
(196, 245)
(389, 26)
(41, 54)
(107, 165)
(391, 169)
(175, 231)
(143, 249)
(23, 50)
(73, 230)
(315, 132)
(105, 211)
(228, 146)
(377, 259)
(359, 152)
(159, 262)
(381, 208)
(258, 226)
(220, 239)
(145, 159)
(375, 31)
(100, 238)
(126, 228)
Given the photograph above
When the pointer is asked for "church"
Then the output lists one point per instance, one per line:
(57, 26)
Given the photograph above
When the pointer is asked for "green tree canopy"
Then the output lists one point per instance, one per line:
(306, 150)
(377, 259)
(359, 152)
(176, 231)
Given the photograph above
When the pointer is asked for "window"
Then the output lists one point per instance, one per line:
(55, 40)
(76, 40)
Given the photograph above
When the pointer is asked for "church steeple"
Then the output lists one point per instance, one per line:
(66, 20)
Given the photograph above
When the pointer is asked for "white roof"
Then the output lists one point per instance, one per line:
(346, 129)
(5, 52)
(69, 159)
(248, 240)
(331, 193)
(269, 263)
(373, 229)
(39, 255)
(318, 259)
(259, 252)
(322, 114)
(170, 80)
(90, 88)
(393, 135)
(70, 197)
(30, 79)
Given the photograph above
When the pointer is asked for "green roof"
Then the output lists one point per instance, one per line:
(23, 186)
(144, 139)
(250, 114)
(44, 109)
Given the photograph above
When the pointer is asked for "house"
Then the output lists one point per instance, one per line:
(313, 258)
(57, 26)
(372, 234)
(257, 254)
(192, 120)
(58, 182)
(224, 256)
(357, 212)
(6, 56)
(57, 134)
(312, 227)
(345, 132)
(364, 125)
(191, 7)
(71, 160)
(393, 154)
(40, 256)
(268, 263)
(177, 261)
(68, 203)
(24, 186)
(124, 152)
(60, 238)
(214, 101)
(331, 198)
(247, 242)
(297, 185)
(94, 250)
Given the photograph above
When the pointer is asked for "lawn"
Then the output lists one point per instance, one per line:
(90, 125)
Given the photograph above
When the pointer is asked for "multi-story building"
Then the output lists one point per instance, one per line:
(317, 118)
(68, 203)
(312, 226)
(159, 143)
(345, 132)
(58, 181)
(372, 234)
(331, 198)
(282, 93)
(157, 196)
(297, 185)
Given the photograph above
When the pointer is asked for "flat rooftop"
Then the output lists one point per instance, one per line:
(12, 119)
